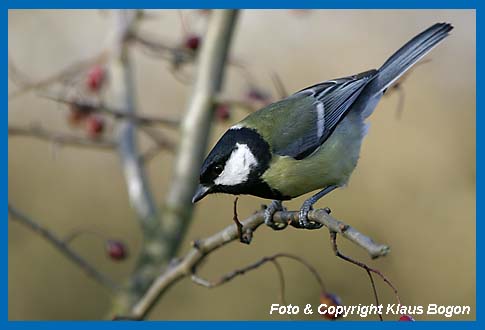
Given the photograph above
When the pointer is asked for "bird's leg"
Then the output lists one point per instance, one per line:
(272, 208)
(308, 205)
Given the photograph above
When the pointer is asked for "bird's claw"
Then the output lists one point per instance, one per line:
(303, 218)
(272, 208)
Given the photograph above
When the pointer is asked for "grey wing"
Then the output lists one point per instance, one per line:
(330, 102)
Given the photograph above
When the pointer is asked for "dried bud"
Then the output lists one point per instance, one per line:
(223, 112)
(406, 318)
(116, 250)
(192, 42)
(95, 125)
(330, 299)
(95, 78)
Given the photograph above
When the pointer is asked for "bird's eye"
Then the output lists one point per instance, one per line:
(218, 169)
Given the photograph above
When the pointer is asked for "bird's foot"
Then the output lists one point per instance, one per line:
(272, 208)
(303, 217)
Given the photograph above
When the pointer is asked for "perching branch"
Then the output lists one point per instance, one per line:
(202, 248)
(63, 247)
(36, 131)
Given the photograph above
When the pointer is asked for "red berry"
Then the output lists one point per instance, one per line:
(223, 112)
(116, 250)
(95, 126)
(192, 42)
(330, 299)
(95, 78)
(406, 318)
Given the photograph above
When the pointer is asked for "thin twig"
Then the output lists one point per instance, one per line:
(116, 113)
(177, 55)
(245, 236)
(397, 87)
(68, 239)
(374, 289)
(245, 106)
(69, 72)
(159, 138)
(161, 141)
(273, 259)
(36, 131)
(281, 277)
(279, 86)
(333, 239)
(62, 247)
(241, 271)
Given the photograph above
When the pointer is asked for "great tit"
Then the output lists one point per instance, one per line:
(310, 140)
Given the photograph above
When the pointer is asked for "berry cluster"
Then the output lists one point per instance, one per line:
(79, 114)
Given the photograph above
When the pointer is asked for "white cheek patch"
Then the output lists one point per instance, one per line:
(238, 166)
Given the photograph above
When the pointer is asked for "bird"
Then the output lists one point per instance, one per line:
(308, 141)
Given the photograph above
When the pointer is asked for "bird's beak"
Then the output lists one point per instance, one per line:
(201, 192)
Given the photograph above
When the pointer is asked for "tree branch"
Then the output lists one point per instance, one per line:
(139, 192)
(36, 131)
(123, 87)
(63, 247)
(117, 113)
(202, 248)
(195, 127)
(255, 265)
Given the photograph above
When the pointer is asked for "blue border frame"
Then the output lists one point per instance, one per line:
(248, 4)
(328, 4)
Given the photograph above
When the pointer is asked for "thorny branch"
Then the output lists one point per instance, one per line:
(204, 247)
(63, 247)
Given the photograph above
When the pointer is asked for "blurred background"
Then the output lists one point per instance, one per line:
(414, 186)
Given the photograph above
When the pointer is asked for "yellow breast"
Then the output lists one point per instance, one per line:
(331, 164)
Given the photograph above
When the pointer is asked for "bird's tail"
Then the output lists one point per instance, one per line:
(408, 55)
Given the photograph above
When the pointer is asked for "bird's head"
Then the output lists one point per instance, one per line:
(235, 164)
